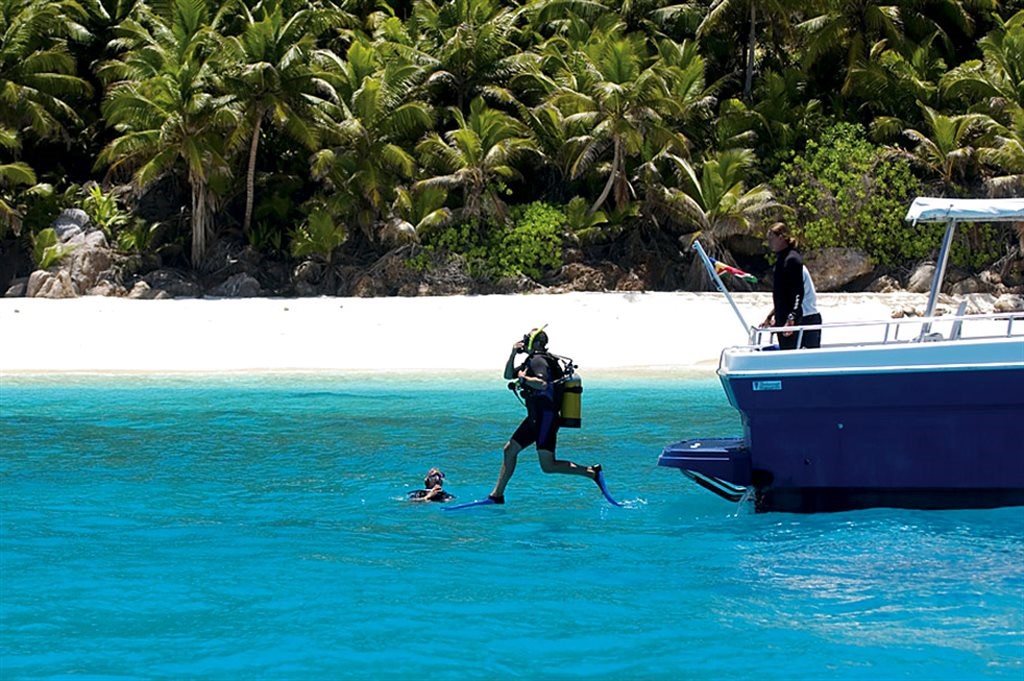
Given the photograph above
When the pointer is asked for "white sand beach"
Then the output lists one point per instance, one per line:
(602, 332)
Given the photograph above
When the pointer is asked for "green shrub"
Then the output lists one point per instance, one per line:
(47, 249)
(976, 245)
(533, 245)
(581, 222)
(465, 239)
(274, 209)
(104, 211)
(318, 236)
(845, 191)
(43, 202)
(137, 238)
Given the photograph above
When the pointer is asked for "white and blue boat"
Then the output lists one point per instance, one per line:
(925, 413)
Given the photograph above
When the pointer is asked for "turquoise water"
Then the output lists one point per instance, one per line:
(242, 527)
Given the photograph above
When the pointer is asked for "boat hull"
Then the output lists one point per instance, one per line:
(919, 431)
(832, 499)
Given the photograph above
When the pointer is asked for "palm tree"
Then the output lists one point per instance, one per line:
(1006, 156)
(998, 79)
(280, 77)
(846, 30)
(167, 103)
(12, 175)
(369, 156)
(946, 22)
(718, 202)
(415, 211)
(614, 98)
(38, 85)
(774, 14)
(477, 158)
(946, 148)
(468, 46)
(893, 81)
(780, 118)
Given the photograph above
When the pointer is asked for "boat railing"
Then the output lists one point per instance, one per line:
(904, 330)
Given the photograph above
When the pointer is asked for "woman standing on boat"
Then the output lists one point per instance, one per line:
(793, 292)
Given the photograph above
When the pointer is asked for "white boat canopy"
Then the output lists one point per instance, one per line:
(929, 209)
(952, 211)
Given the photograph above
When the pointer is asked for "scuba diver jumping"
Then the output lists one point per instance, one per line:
(547, 386)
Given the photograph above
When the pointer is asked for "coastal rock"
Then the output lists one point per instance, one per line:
(17, 288)
(143, 291)
(1008, 302)
(366, 286)
(607, 276)
(965, 287)
(174, 283)
(107, 288)
(240, 285)
(69, 223)
(307, 276)
(979, 303)
(91, 239)
(630, 281)
(834, 268)
(448, 278)
(921, 278)
(45, 284)
(305, 290)
(944, 305)
(884, 284)
(579, 277)
(88, 262)
(992, 281)
(87, 265)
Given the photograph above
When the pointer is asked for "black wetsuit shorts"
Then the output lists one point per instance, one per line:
(540, 425)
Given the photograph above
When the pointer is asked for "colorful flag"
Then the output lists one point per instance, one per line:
(721, 268)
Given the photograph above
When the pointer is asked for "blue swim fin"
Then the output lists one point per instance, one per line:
(469, 504)
(604, 489)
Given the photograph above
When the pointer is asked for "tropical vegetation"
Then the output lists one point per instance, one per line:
(509, 136)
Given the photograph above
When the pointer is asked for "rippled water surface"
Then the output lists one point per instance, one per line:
(241, 527)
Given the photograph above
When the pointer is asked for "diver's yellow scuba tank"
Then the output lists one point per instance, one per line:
(572, 396)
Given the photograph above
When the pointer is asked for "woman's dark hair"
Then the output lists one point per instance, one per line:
(780, 229)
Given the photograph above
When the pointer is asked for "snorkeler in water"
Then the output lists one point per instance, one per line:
(433, 485)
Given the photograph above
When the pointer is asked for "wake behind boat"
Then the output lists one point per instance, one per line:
(910, 413)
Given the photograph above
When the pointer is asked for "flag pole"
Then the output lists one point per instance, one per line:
(721, 287)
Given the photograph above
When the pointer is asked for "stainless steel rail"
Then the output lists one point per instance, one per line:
(961, 327)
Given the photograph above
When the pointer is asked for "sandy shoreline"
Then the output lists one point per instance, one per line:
(603, 332)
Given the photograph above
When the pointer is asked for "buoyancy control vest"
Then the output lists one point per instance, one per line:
(568, 389)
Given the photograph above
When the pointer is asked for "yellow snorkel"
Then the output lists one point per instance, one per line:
(533, 336)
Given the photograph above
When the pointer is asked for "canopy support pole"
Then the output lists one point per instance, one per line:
(940, 273)
(721, 287)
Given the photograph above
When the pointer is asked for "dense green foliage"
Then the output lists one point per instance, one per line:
(46, 249)
(530, 243)
(335, 128)
(104, 211)
(846, 191)
(533, 246)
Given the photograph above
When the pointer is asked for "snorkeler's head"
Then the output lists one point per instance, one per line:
(435, 478)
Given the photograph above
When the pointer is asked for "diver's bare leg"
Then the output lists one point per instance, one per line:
(510, 454)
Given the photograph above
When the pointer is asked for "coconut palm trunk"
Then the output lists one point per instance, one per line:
(200, 212)
(612, 177)
(250, 174)
(748, 85)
